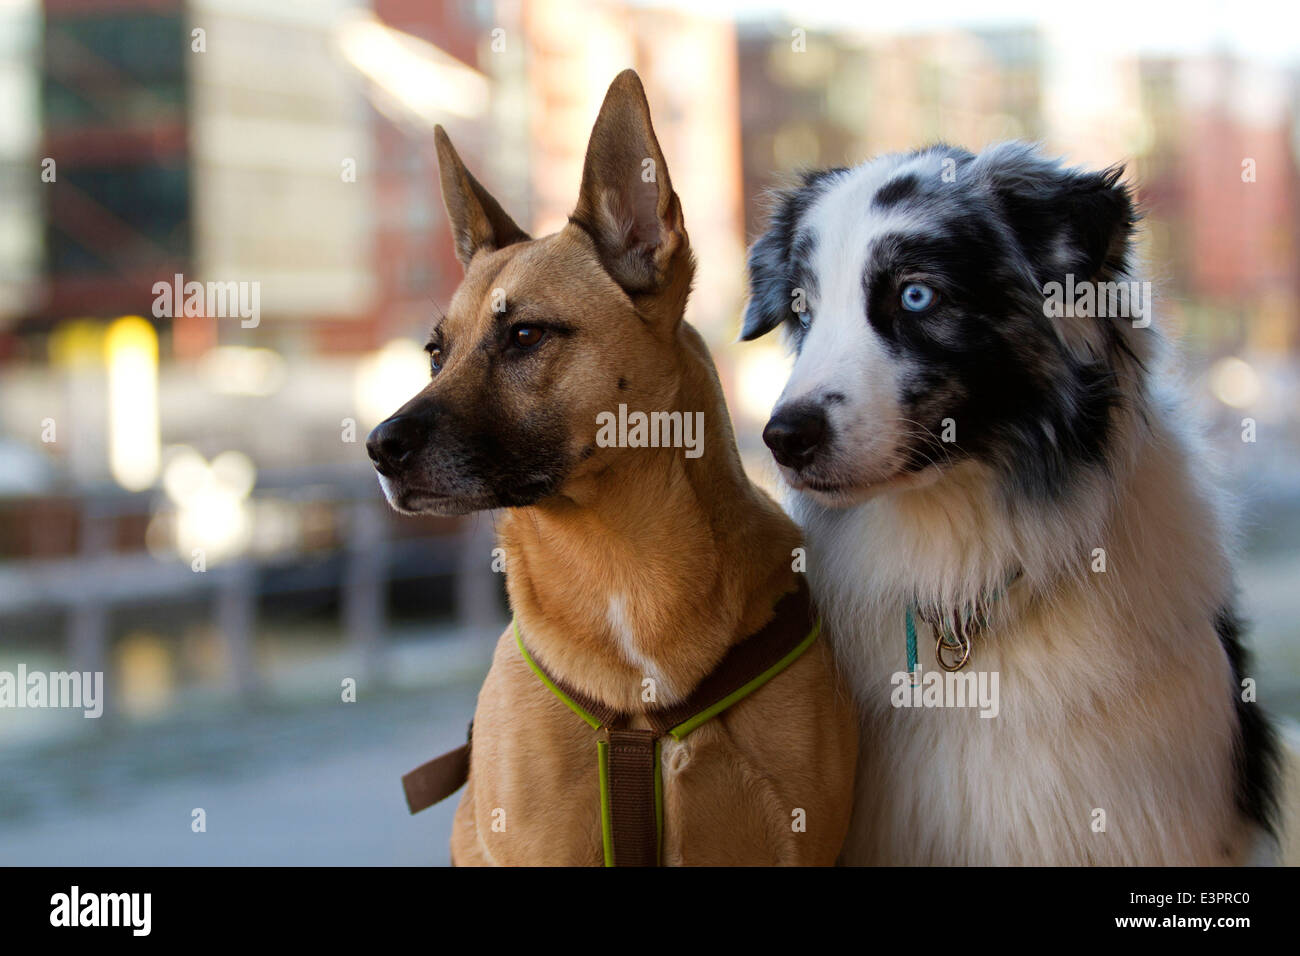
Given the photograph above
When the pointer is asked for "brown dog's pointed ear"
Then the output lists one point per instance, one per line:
(627, 203)
(477, 220)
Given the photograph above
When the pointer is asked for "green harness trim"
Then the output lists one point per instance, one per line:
(659, 805)
(568, 701)
(606, 817)
(686, 726)
(678, 732)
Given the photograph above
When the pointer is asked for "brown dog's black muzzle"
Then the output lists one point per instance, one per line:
(392, 442)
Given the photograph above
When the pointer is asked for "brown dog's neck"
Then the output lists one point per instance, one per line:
(652, 568)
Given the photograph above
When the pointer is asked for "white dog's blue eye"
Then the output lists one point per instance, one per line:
(917, 297)
(805, 319)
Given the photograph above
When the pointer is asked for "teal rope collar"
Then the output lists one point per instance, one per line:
(954, 633)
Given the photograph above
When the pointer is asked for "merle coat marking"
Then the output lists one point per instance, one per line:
(1122, 737)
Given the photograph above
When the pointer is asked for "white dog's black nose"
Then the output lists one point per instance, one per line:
(795, 433)
(391, 444)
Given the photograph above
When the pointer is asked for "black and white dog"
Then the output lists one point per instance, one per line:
(976, 434)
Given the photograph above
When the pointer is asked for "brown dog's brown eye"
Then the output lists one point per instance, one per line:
(527, 336)
(435, 359)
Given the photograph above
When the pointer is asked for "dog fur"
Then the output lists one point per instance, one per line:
(622, 564)
(1122, 736)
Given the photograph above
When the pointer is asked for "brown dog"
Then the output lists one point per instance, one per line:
(632, 571)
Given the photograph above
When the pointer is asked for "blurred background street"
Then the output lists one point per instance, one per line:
(185, 499)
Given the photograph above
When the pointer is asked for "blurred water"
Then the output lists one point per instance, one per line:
(299, 784)
(1269, 582)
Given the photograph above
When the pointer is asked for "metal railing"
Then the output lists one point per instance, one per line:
(369, 549)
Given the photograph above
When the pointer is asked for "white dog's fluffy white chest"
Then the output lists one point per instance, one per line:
(1112, 740)
(1078, 766)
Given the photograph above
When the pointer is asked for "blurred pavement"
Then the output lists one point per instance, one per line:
(303, 785)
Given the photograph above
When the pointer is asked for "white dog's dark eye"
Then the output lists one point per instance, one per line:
(917, 297)
(805, 319)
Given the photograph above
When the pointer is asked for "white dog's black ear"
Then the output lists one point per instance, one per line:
(775, 259)
(477, 220)
(1066, 220)
(770, 285)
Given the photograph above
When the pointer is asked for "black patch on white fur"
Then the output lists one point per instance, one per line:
(1257, 751)
(985, 355)
(778, 260)
(1044, 201)
(895, 191)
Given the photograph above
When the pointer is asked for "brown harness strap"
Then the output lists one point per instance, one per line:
(438, 779)
(634, 821)
(631, 754)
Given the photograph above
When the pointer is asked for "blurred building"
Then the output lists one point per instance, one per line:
(21, 226)
(1220, 178)
(116, 129)
(819, 99)
(277, 126)
(414, 262)
(1241, 180)
(206, 139)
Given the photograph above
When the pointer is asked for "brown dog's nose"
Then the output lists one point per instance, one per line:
(795, 433)
(391, 444)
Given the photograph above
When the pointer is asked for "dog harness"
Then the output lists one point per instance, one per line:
(627, 760)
